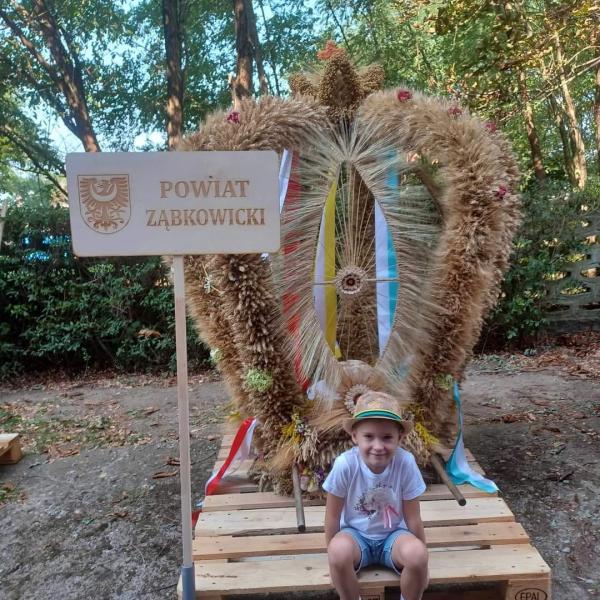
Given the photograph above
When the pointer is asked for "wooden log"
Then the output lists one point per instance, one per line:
(440, 468)
(298, 499)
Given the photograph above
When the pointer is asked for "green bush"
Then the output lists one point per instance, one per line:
(543, 245)
(59, 310)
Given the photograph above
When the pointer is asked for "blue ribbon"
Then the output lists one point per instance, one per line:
(458, 467)
(386, 266)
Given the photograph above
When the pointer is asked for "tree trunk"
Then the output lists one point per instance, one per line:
(557, 114)
(65, 73)
(69, 74)
(513, 16)
(532, 135)
(262, 78)
(242, 84)
(597, 109)
(171, 12)
(271, 58)
(577, 145)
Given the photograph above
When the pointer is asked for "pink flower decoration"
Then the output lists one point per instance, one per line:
(501, 192)
(403, 95)
(454, 111)
(233, 117)
(491, 127)
(330, 49)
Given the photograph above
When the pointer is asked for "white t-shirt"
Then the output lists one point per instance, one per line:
(374, 500)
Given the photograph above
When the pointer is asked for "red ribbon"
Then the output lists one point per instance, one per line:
(238, 440)
(290, 245)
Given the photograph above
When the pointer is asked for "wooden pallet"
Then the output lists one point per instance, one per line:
(10, 448)
(246, 542)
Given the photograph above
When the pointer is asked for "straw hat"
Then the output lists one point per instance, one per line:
(379, 405)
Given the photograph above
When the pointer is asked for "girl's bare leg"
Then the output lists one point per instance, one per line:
(344, 554)
(410, 554)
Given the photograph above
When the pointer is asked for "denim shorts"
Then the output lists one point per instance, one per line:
(375, 552)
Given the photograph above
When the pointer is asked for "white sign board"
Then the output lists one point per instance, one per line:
(154, 203)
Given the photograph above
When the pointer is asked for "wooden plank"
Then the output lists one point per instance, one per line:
(435, 491)
(283, 520)
(223, 453)
(509, 562)
(482, 534)
(6, 439)
(253, 501)
(235, 485)
(241, 471)
(487, 594)
(10, 448)
(372, 593)
(532, 589)
(227, 440)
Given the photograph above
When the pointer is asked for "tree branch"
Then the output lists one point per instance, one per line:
(26, 148)
(337, 22)
(18, 32)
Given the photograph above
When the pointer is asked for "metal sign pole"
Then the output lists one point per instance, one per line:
(187, 570)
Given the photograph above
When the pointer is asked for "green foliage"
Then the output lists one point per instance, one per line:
(257, 380)
(8, 493)
(546, 242)
(62, 311)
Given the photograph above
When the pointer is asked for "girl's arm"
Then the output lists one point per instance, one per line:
(412, 516)
(333, 513)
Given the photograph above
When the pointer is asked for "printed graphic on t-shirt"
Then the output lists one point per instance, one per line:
(376, 501)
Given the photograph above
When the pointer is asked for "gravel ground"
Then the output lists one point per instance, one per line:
(93, 509)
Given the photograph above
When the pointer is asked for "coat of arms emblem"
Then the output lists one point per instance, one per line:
(104, 202)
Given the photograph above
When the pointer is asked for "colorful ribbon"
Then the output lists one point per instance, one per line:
(289, 193)
(386, 268)
(240, 450)
(458, 467)
(285, 169)
(325, 296)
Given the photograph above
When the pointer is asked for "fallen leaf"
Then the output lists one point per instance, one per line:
(540, 401)
(163, 474)
(120, 513)
(560, 477)
(514, 417)
(174, 462)
(550, 428)
(63, 450)
(124, 496)
(151, 410)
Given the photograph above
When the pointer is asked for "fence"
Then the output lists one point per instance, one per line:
(573, 298)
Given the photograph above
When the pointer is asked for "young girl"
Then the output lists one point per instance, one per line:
(372, 514)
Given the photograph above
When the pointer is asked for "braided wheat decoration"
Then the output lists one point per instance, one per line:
(446, 184)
